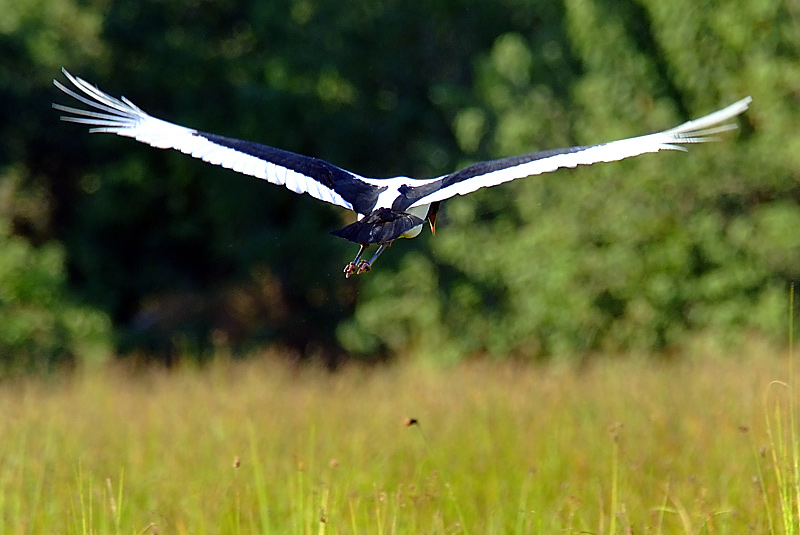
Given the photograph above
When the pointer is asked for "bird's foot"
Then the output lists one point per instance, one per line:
(363, 267)
(356, 269)
(350, 269)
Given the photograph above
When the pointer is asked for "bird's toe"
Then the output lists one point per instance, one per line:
(363, 267)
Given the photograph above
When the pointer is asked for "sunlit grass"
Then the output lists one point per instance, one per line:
(780, 414)
(616, 446)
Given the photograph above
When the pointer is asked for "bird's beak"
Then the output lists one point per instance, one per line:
(432, 211)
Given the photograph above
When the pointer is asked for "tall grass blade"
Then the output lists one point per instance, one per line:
(260, 484)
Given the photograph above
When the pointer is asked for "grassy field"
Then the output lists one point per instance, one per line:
(616, 446)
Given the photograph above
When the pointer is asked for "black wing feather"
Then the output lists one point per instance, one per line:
(357, 192)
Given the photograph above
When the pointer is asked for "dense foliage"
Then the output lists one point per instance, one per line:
(643, 254)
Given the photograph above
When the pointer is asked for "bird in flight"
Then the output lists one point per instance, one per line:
(386, 208)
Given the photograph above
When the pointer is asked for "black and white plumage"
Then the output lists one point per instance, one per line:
(387, 208)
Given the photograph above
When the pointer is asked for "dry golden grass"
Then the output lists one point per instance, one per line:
(619, 445)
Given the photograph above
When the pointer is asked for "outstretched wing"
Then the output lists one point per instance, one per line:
(494, 172)
(300, 174)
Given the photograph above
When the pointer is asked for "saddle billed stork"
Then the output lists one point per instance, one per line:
(387, 208)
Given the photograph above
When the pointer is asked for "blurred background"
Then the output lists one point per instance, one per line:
(112, 249)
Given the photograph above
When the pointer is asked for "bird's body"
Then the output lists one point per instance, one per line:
(386, 208)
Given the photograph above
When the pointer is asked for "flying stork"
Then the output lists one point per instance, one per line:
(386, 208)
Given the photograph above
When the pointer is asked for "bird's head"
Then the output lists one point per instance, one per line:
(431, 217)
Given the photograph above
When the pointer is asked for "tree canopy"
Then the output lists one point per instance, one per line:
(153, 252)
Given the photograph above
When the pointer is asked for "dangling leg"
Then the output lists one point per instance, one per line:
(365, 266)
(351, 268)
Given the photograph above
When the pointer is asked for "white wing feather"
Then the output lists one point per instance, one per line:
(124, 118)
(696, 131)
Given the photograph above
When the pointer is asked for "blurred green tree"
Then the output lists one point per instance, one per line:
(43, 322)
(41, 325)
(641, 255)
(214, 255)
(637, 255)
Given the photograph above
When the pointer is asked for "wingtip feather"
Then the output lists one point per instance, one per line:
(713, 120)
